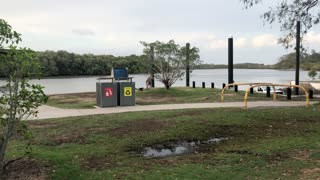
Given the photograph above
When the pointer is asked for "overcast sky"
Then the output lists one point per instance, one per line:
(117, 26)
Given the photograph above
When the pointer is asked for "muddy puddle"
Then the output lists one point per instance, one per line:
(179, 148)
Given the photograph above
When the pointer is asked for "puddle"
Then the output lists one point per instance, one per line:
(179, 148)
(216, 140)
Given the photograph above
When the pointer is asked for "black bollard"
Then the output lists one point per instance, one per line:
(193, 84)
(235, 88)
(212, 85)
(223, 85)
(310, 94)
(268, 91)
(251, 90)
(289, 90)
(203, 85)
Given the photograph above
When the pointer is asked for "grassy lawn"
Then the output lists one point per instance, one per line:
(282, 143)
(158, 96)
(73, 101)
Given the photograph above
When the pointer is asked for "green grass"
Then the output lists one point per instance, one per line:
(264, 144)
(71, 105)
(73, 101)
(156, 96)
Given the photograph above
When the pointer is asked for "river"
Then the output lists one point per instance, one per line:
(218, 76)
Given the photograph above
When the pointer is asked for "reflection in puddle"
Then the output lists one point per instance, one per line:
(152, 152)
(179, 148)
(216, 140)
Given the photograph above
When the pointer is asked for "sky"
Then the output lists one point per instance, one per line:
(116, 27)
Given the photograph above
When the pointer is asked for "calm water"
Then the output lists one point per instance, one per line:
(218, 76)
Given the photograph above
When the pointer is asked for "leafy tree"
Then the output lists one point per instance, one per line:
(170, 60)
(308, 61)
(287, 13)
(312, 73)
(287, 61)
(7, 35)
(18, 99)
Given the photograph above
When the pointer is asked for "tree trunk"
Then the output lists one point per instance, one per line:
(166, 85)
(3, 148)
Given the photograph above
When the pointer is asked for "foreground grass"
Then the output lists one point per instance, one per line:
(281, 143)
(155, 96)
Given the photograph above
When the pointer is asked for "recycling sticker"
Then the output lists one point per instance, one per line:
(127, 91)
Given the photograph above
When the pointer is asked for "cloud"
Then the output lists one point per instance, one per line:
(240, 42)
(218, 44)
(211, 37)
(83, 32)
(120, 39)
(223, 43)
(312, 38)
(264, 40)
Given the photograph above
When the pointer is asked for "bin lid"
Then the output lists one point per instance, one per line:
(120, 73)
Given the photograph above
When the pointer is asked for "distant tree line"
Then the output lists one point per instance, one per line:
(308, 61)
(63, 63)
(236, 66)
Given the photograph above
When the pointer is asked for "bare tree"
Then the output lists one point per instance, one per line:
(170, 61)
(287, 13)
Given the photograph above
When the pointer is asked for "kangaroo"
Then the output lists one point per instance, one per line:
(149, 82)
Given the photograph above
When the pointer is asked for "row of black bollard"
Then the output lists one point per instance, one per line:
(203, 85)
(212, 85)
(289, 90)
(289, 93)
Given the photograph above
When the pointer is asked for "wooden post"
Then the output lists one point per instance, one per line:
(203, 85)
(188, 64)
(193, 84)
(152, 65)
(230, 60)
(296, 89)
(212, 85)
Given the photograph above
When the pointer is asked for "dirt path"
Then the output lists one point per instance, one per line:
(48, 112)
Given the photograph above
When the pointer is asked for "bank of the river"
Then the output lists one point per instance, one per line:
(174, 95)
(218, 76)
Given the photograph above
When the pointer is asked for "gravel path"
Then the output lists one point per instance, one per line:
(48, 112)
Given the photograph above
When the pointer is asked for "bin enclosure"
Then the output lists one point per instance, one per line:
(126, 94)
(107, 94)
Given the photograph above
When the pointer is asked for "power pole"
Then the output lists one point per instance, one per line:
(230, 60)
(188, 64)
(296, 90)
